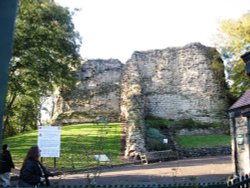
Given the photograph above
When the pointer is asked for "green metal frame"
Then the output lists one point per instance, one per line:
(8, 9)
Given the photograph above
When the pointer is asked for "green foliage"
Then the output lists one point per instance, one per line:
(216, 64)
(186, 141)
(86, 115)
(160, 123)
(22, 115)
(187, 123)
(155, 125)
(154, 133)
(234, 41)
(45, 55)
(73, 139)
(78, 140)
(157, 122)
(154, 140)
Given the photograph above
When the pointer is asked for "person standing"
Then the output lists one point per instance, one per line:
(6, 164)
(33, 173)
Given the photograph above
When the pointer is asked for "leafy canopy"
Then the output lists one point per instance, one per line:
(234, 41)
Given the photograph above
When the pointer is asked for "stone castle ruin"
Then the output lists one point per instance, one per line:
(173, 83)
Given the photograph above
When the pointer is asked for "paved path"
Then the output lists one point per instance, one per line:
(206, 169)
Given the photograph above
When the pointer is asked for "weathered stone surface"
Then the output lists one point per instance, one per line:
(179, 83)
(97, 94)
(172, 83)
(201, 152)
(132, 108)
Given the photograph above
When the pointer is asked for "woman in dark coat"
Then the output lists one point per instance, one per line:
(6, 164)
(33, 173)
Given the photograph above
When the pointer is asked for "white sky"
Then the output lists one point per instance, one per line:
(117, 28)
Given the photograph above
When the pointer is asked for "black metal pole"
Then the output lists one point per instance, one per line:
(235, 154)
(8, 10)
(246, 58)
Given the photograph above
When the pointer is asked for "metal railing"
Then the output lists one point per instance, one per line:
(239, 182)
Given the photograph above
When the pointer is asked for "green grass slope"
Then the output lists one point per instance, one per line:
(78, 145)
(80, 142)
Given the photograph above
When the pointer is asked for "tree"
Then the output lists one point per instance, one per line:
(45, 55)
(234, 41)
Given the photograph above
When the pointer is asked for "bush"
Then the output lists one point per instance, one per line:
(154, 141)
(155, 145)
(157, 122)
(154, 133)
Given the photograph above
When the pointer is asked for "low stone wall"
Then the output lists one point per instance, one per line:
(200, 152)
(199, 131)
(164, 155)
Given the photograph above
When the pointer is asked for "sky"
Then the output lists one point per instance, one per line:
(117, 28)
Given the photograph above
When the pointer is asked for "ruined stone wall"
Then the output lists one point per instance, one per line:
(97, 94)
(132, 108)
(179, 83)
(173, 83)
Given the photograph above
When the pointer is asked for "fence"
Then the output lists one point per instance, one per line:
(240, 182)
(207, 185)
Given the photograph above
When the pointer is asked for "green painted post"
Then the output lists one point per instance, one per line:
(8, 10)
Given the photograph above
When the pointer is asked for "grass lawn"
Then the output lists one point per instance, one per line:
(203, 141)
(80, 142)
(78, 145)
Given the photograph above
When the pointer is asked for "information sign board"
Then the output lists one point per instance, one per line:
(240, 139)
(49, 140)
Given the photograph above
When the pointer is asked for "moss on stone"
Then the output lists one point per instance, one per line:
(86, 115)
(160, 123)
(217, 65)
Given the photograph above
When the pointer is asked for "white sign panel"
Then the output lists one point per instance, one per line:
(102, 158)
(49, 141)
(165, 140)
